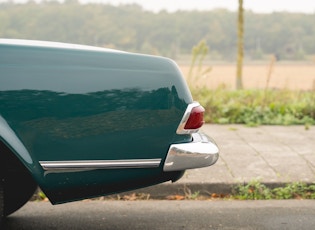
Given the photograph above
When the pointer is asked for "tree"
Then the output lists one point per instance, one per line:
(240, 45)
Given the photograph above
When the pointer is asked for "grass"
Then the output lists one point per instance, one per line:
(255, 190)
(253, 107)
(257, 107)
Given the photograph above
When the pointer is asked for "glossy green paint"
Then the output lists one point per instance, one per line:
(67, 104)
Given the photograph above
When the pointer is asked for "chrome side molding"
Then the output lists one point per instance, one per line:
(201, 152)
(83, 165)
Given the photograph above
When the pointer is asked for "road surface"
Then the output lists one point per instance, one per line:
(293, 214)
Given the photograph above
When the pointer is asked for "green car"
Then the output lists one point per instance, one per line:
(81, 121)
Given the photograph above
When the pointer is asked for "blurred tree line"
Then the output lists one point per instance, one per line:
(129, 27)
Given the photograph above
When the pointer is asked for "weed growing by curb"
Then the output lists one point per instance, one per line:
(255, 190)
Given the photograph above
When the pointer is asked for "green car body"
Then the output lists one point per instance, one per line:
(85, 121)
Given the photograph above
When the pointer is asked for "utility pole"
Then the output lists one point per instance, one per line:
(240, 45)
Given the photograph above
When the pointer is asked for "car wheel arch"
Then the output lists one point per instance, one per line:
(10, 141)
(17, 182)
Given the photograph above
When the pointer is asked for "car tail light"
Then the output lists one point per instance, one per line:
(192, 119)
(195, 120)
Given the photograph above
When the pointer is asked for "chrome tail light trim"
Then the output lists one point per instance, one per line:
(181, 128)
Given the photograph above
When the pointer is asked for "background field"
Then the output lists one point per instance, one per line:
(293, 76)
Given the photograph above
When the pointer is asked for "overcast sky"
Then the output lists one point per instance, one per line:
(262, 6)
(258, 6)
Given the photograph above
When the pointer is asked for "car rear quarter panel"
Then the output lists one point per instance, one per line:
(69, 104)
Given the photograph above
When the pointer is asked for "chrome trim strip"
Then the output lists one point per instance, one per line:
(201, 152)
(99, 164)
(181, 128)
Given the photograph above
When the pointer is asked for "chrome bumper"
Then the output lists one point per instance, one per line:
(201, 152)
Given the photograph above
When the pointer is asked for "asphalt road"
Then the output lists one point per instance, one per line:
(293, 214)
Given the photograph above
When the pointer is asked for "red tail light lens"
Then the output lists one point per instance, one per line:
(195, 120)
(192, 119)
